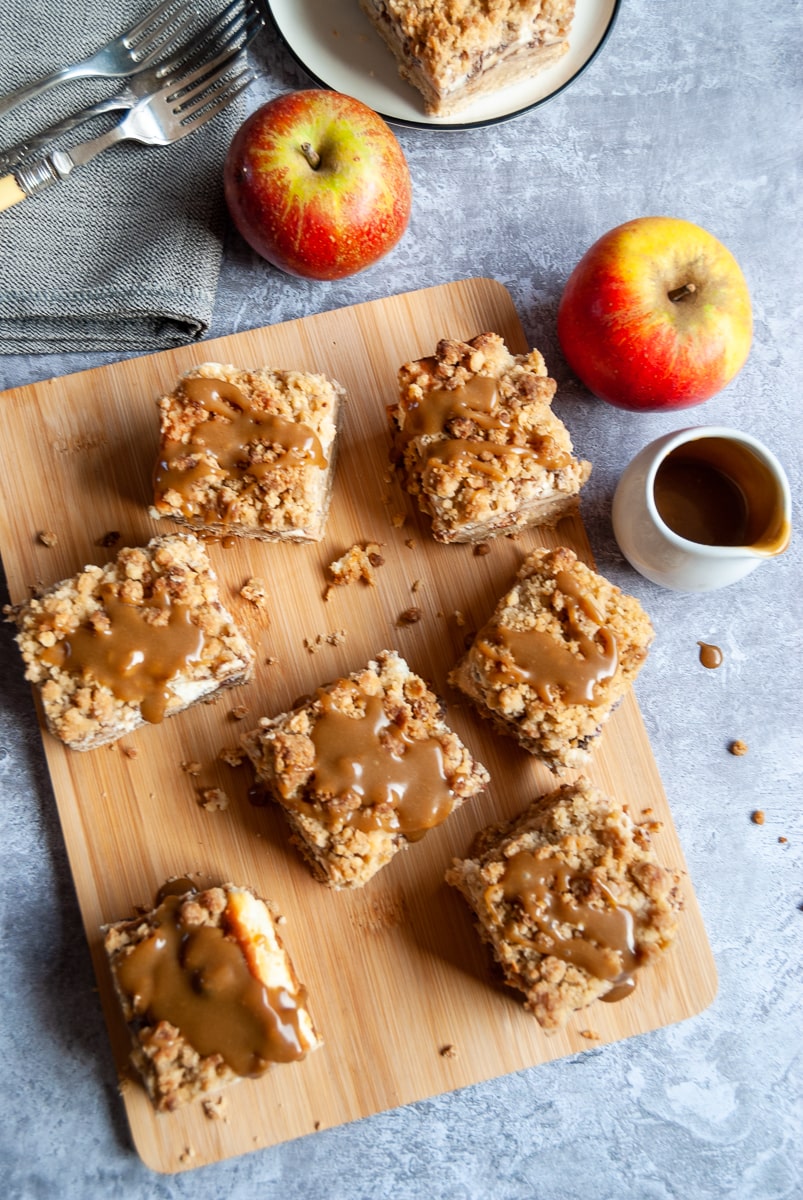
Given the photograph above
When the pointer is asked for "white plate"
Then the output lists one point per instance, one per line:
(336, 44)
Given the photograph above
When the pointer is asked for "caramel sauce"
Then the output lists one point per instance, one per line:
(388, 780)
(221, 446)
(198, 979)
(548, 666)
(601, 941)
(477, 401)
(717, 492)
(710, 656)
(133, 657)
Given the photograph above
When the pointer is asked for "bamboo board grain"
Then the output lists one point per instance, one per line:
(395, 972)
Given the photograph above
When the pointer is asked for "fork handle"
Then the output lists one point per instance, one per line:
(15, 154)
(29, 90)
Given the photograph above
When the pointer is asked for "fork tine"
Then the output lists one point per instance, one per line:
(209, 86)
(237, 23)
(222, 99)
(153, 17)
(160, 40)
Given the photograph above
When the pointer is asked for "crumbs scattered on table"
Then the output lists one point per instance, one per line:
(129, 751)
(191, 767)
(590, 1034)
(738, 747)
(448, 1051)
(409, 543)
(481, 549)
(271, 660)
(416, 585)
(783, 840)
(358, 563)
(459, 618)
(757, 816)
(398, 519)
(111, 538)
(47, 537)
(239, 711)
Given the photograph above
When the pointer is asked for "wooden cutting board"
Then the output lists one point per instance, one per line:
(400, 987)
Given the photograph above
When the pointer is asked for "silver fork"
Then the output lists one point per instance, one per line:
(180, 108)
(124, 55)
(235, 27)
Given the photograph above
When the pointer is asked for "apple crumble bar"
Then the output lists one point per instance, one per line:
(572, 900)
(208, 992)
(248, 453)
(557, 655)
(363, 768)
(130, 643)
(455, 51)
(477, 443)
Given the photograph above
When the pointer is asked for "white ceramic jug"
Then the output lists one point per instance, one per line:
(700, 508)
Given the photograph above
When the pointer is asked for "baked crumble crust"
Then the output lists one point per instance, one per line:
(559, 652)
(255, 459)
(348, 825)
(455, 50)
(77, 639)
(581, 859)
(173, 1069)
(477, 443)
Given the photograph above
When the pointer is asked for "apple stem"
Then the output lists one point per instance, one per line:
(312, 157)
(680, 293)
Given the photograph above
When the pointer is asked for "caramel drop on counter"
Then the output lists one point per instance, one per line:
(710, 656)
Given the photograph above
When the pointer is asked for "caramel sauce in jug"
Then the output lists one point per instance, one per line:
(717, 492)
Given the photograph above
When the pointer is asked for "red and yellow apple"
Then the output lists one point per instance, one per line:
(656, 315)
(317, 183)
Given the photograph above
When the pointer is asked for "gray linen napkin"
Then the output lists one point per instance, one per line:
(125, 254)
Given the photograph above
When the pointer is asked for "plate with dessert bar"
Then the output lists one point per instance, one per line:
(340, 720)
(445, 65)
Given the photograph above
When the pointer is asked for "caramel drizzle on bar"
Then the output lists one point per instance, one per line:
(602, 941)
(370, 774)
(477, 401)
(220, 446)
(134, 650)
(197, 978)
(548, 666)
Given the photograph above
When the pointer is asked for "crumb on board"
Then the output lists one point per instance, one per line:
(481, 549)
(416, 585)
(233, 756)
(459, 618)
(398, 519)
(783, 840)
(111, 538)
(590, 1034)
(410, 616)
(191, 767)
(448, 1051)
(129, 751)
(255, 591)
(215, 1108)
(360, 562)
(757, 816)
(409, 543)
(239, 711)
(271, 660)
(738, 747)
(213, 799)
(336, 638)
(47, 537)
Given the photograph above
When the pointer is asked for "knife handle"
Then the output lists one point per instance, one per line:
(10, 192)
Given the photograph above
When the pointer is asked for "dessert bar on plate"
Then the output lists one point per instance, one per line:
(362, 769)
(208, 992)
(571, 899)
(248, 453)
(130, 643)
(455, 51)
(477, 443)
(557, 655)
